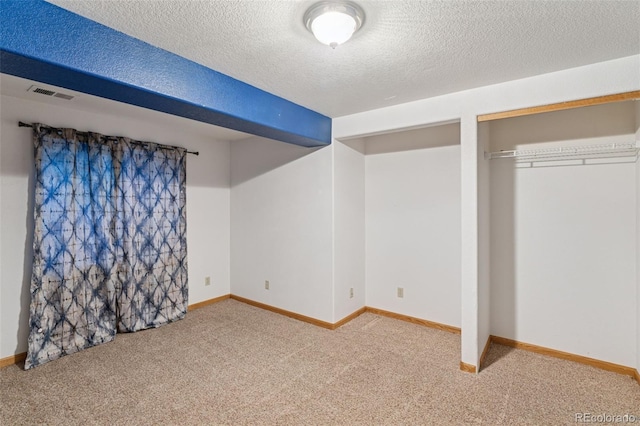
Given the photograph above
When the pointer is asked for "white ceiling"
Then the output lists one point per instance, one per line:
(406, 50)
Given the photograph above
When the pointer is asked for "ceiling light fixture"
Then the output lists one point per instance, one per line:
(334, 22)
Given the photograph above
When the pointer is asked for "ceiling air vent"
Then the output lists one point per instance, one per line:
(47, 92)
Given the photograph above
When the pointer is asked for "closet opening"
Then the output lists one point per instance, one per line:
(563, 230)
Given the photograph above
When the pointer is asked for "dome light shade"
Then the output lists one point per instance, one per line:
(333, 23)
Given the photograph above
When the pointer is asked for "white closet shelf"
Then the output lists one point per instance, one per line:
(611, 150)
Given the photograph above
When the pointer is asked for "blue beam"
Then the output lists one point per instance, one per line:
(45, 43)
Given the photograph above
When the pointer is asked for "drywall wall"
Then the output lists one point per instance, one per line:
(604, 78)
(484, 236)
(349, 227)
(638, 241)
(469, 252)
(563, 246)
(208, 198)
(282, 226)
(412, 215)
(2, 220)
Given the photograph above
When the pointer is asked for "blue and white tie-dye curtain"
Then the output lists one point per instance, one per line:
(73, 282)
(151, 227)
(109, 241)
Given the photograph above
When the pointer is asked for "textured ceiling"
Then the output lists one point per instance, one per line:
(406, 50)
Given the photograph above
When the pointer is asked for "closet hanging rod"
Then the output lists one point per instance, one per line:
(22, 124)
(611, 150)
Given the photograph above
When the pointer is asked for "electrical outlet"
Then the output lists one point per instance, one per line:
(351, 293)
(400, 292)
(207, 280)
(266, 284)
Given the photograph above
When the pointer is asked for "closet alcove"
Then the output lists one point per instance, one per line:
(407, 191)
(563, 230)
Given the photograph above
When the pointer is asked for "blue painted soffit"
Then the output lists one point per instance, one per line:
(45, 43)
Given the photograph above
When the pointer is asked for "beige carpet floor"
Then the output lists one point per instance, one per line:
(233, 364)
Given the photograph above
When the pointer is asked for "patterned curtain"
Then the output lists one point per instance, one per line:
(109, 241)
(152, 230)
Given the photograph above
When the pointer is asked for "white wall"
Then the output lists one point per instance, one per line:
(207, 201)
(470, 245)
(413, 223)
(605, 78)
(484, 236)
(2, 220)
(283, 216)
(349, 227)
(563, 246)
(638, 242)
(282, 226)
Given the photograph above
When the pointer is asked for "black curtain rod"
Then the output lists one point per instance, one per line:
(21, 124)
